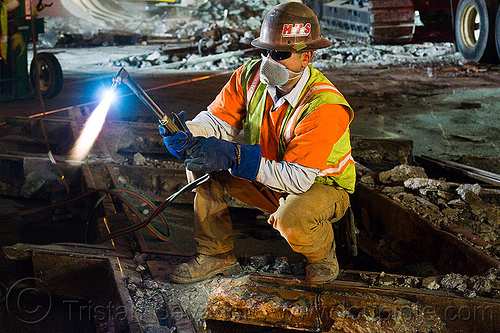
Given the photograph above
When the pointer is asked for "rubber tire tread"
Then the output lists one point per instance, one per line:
(497, 33)
(484, 50)
(54, 71)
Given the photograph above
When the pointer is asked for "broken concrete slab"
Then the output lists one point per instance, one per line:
(465, 210)
(411, 233)
(399, 174)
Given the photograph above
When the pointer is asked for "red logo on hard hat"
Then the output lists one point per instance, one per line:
(296, 30)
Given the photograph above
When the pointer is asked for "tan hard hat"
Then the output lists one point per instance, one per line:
(290, 26)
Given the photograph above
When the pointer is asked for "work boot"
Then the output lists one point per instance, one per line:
(324, 270)
(202, 267)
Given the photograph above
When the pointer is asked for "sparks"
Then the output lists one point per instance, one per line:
(92, 128)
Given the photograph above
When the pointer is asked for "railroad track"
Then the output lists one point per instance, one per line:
(390, 234)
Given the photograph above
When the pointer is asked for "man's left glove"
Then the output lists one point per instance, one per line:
(212, 154)
(178, 143)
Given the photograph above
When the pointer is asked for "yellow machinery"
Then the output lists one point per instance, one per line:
(16, 30)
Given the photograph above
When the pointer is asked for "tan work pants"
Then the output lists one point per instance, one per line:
(304, 220)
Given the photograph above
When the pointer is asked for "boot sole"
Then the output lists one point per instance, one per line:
(227, 270)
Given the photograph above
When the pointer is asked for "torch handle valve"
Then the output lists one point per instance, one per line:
(169, 124)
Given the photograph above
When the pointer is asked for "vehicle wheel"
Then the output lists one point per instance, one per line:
(475, 30)
(51, 77)
(497, 33)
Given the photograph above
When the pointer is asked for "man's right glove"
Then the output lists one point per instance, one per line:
(178, 143)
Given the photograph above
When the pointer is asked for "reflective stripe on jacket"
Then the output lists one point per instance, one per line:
(4, 38)
(339, 169)
(6, 7)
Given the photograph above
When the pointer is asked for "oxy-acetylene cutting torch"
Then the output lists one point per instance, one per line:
(171, 125)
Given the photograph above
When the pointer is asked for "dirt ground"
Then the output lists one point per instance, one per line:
(448, 110)
(446, 113)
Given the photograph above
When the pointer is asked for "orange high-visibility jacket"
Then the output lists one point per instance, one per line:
(314, 133)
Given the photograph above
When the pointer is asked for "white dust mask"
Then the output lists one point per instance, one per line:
(274, 73)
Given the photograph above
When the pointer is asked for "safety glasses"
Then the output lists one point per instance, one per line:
(276, 55)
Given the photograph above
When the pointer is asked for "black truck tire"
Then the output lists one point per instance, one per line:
(497, 33)
(475, 30)
(51, 77)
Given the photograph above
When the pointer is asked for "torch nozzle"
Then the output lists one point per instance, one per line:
(113, 86)
(123, 76)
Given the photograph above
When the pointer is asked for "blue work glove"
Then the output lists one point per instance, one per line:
(212, 154)
(178, 143)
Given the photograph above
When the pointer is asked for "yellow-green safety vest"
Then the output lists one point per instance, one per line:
(317, 91)
(4, 37)
(5, 7)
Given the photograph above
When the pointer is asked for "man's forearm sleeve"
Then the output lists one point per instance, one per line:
(206, 124)
(286, 177)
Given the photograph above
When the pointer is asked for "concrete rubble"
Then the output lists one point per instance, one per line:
(217, 27)
(195, 300)
(485, 285)
(474, 209)
(342, 53)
